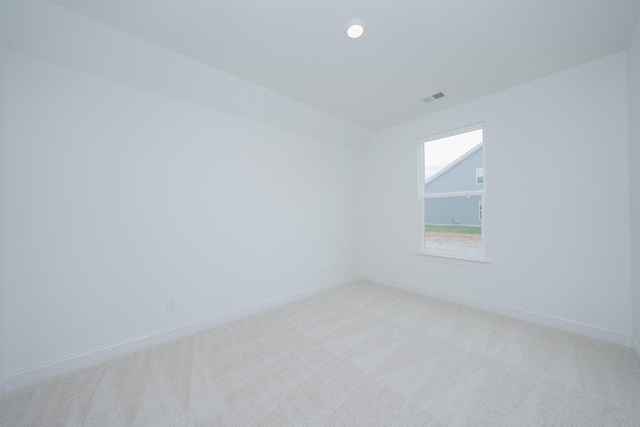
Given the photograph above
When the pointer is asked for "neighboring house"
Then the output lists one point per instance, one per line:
(464, 174)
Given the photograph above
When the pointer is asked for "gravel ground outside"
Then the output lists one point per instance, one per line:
(453, 242)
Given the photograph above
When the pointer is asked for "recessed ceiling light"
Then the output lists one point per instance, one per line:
(355, 28)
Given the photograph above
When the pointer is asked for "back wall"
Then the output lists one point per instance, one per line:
(556, 208)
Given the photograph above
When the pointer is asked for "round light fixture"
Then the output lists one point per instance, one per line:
(355, 28)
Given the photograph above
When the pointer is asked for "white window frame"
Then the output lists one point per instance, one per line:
(422, 250)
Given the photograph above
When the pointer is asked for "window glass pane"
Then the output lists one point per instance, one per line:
(452, 195)
(453, 225)
(459, 175)
(440, 153)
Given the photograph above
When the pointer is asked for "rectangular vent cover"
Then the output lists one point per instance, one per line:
(433, 97)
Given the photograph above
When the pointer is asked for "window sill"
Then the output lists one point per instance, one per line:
(455, 260)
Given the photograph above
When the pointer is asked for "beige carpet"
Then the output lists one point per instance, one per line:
(359, 355)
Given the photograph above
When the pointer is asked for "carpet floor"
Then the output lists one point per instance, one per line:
(358, 355)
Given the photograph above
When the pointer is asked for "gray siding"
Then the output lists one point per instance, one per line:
(461, 177)
(463, 210)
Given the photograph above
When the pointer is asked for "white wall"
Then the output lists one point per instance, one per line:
(2, 126)
(557, 216)
(634, 162)
(135, 174)
(117, 198)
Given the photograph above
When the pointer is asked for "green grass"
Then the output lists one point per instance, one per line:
(458, 229)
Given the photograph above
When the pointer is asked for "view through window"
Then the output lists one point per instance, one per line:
(452, 192)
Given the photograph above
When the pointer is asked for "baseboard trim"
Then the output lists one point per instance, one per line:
(635, 348)
(44, 371)
(546, 319)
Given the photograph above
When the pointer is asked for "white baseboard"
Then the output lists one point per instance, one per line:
(635, 348)
(550, 320)
(65, 365)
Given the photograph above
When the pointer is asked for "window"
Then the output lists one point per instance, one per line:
(451, 202)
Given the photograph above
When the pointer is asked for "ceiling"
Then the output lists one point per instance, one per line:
(410, 50)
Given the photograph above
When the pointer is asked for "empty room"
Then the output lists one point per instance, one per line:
(319, 213)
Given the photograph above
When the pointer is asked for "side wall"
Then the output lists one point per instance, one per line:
(634, 170)
(135, 175)
(118, 198)
(557, 197)
(2, 206)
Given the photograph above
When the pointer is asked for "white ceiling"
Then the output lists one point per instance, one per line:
(411, 49)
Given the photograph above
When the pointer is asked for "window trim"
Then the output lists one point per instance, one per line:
(421, 250)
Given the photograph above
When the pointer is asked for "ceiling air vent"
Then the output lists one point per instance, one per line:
(433, 97)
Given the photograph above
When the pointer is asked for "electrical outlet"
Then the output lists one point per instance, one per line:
(172, 303)
(499, 285)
